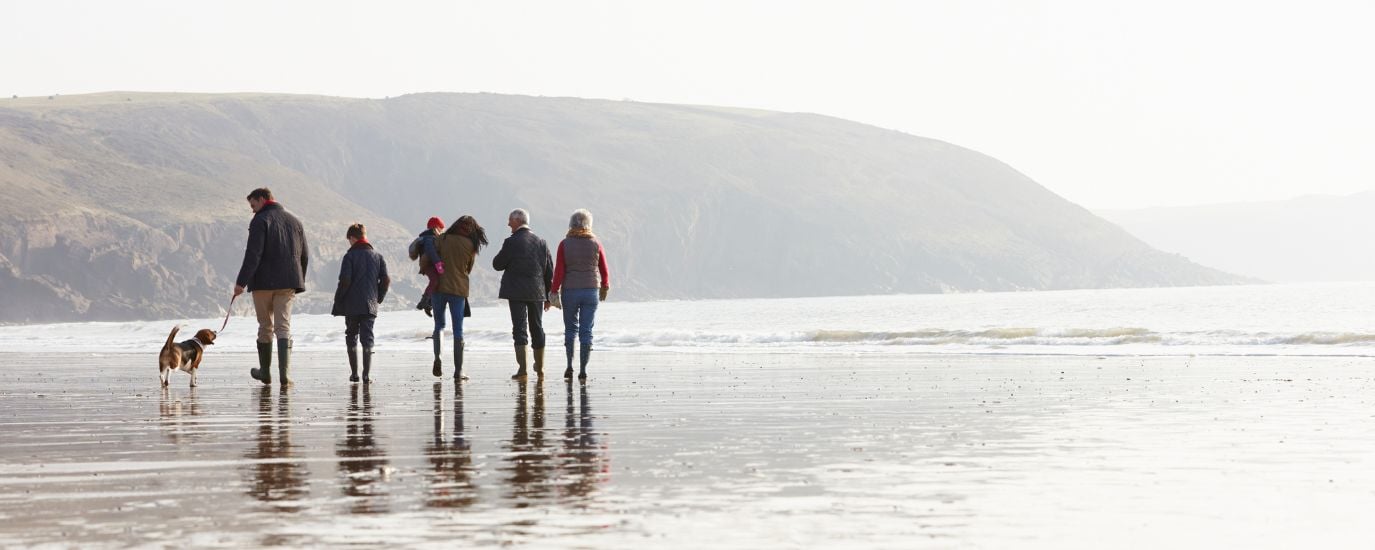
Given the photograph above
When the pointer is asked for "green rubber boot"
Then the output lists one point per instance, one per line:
(264, 371)
(367, 365)
(283, 362)
(353, 364)
(520, 361)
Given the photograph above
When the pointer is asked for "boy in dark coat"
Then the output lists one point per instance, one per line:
(363, 284)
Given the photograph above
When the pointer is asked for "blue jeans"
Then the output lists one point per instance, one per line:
(579, 314)
(439, 301)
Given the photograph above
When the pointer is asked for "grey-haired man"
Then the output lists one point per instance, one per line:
(527, 272)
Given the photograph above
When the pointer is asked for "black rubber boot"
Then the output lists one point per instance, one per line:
(520, 361)
(264, 371)
(283, 361)
(367, 365)
(353, 364)
(539, 362)
(458, 361)
(582, 363)
(438, 369)
(568, 372)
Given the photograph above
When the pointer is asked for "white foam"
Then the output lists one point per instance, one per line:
(1255, 320)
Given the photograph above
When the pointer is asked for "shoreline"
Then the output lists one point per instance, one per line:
(831, 352)
(691, 450)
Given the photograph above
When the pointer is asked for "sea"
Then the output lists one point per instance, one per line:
(1327, 319)
(1220, 417)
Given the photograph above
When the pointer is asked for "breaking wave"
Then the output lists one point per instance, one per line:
(326, 333)
(991, 338)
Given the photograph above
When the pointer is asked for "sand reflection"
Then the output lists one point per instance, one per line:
(362, 461)
(275, 477)
(583, 458)
(178, 417)
(528, 455)
(451, 458)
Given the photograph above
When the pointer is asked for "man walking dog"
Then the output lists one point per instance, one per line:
(274, 270)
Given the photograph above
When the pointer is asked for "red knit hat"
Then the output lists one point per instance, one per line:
(434, 223)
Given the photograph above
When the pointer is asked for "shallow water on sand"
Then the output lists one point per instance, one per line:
(680, 450)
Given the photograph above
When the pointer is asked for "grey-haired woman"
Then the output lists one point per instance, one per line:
(581, 279)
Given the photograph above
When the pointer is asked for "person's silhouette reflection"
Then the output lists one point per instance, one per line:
(275, 476)
(451, 481)
(528, 454)
(583, 458)
(362, 461)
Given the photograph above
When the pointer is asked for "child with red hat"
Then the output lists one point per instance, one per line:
(422, 249)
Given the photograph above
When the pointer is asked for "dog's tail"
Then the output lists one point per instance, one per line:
(171, 337)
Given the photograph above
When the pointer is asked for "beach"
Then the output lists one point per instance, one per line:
(677, 450)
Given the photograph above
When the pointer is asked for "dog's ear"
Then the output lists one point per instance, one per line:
(206, 336)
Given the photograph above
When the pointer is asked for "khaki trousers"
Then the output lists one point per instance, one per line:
(274, 313)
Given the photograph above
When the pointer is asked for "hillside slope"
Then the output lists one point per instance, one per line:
(127, 205)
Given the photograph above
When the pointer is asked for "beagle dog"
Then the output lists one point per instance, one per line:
(184, 356)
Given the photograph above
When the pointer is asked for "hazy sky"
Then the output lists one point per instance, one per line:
(1110, 104)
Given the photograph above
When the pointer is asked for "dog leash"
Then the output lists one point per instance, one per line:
(227, 314)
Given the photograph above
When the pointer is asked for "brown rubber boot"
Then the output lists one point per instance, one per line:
(520, 361)
(539, 362)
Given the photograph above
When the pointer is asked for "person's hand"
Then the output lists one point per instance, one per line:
(601, 294)
(439, 267)
(238, 289)
(547, 305)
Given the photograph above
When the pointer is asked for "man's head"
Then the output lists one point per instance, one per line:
(518, 217)
(356, 233)
(435, 223)
(258, 197)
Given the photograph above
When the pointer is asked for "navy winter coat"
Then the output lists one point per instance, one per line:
(363, 281)
(528, 268)
(276, 255)
(423, 249)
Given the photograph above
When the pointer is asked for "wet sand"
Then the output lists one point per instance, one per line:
(678, 450)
